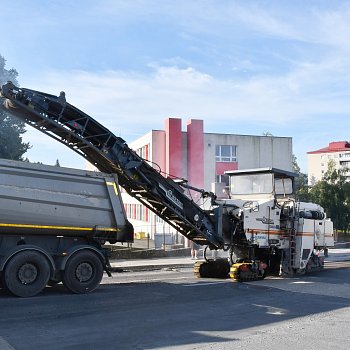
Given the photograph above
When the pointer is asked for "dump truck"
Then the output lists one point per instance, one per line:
(259, 228)
(54, 223)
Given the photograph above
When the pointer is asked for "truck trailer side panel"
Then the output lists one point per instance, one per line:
(52, 200)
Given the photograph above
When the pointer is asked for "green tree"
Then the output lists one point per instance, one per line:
(11, 129)
(300, 182)
(333, 194)
(266, 133)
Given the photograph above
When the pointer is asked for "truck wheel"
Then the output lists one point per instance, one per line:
(83, 272)
(27, 273)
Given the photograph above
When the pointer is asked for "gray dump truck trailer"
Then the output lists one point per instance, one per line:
(53, 224)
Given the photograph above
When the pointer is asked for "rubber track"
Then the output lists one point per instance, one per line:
(214, 269)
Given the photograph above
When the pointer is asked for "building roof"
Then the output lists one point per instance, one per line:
(337, 146)
(278, 172)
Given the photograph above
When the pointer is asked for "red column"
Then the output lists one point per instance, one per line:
(195, 153)
(173, 146)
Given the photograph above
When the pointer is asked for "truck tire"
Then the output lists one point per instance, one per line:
(83, 272)
(26, 274)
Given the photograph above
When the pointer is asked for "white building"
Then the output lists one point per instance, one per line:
(337, 152)
(202, 159)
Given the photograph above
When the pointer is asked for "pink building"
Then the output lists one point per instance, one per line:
(201, 158)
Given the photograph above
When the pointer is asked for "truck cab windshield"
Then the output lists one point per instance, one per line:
(283, 186)
(260, 184)
(251, 184)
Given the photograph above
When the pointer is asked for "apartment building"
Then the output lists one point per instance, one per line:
(338, 152)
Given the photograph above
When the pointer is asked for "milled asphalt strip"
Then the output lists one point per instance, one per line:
(194, 284)
(152, 280)
(179, 266)
(205, 283)
(336, 255)
(150, 267)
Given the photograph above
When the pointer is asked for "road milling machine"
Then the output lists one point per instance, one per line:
(258, 229)
(271, 232)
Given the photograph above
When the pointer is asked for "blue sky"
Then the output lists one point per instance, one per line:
(244, 67)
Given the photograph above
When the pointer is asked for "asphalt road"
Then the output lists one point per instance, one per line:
(170, 309)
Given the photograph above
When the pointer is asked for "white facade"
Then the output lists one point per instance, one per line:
(203, 162)
(251, 152)
(318, 161)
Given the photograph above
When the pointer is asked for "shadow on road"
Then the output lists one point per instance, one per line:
(159, 315)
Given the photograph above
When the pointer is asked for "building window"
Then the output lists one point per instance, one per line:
(143, 152)
(223, 179)
(225, 153)
(159, 220)
(137, 212)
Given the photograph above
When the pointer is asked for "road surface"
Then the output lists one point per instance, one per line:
(170, 309)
